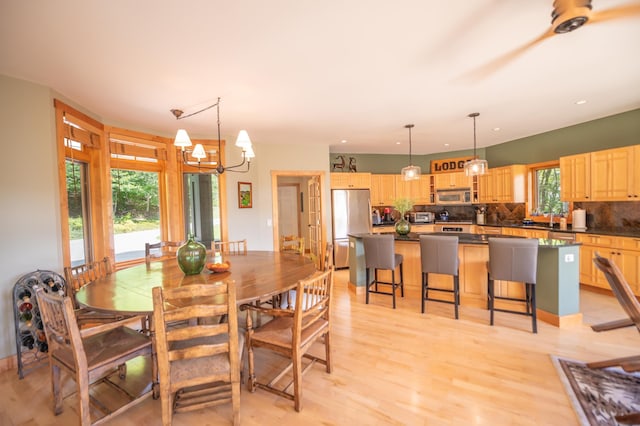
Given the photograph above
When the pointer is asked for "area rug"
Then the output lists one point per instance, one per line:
(598, 395)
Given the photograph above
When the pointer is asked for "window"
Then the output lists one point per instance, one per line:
(136, 212)
(78, 207)
(546, 191)
(202, 207)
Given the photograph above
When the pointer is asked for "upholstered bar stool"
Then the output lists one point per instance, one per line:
(439, 255)
(514, 259)
(379, 253)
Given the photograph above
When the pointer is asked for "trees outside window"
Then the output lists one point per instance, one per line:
(547, 191)
(136, 212)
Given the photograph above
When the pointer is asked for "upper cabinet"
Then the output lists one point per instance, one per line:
(350, 180)
(634, 174)
(503, 185)
(575, 177)
(608, 175)
(615, 174)
(452, 180)
(419, 190)
(383, 190)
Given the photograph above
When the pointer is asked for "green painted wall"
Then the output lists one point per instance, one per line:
(609, 132)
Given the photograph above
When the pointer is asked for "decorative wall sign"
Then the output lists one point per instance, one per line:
(449, 165)
(245, 195)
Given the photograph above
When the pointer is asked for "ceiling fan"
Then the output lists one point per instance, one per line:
(567, 16)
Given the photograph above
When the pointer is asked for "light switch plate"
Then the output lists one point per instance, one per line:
(568, 258)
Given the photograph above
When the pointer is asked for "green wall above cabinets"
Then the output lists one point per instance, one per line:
(608, 132)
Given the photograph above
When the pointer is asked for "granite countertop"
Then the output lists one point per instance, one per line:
(465, 238)
(618, 231)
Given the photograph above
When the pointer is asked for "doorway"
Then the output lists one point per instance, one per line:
(298, 208)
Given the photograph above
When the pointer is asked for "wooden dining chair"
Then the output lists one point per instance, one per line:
(292, 243)
(291, 334)
(198, 362)
(81, 275)
(229, 247)
(623, 292)
(89, 355)
(328, 257)
(160, 250)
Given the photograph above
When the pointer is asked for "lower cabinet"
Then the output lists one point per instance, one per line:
(623, 251)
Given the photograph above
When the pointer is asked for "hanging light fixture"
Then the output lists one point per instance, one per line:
(410, 172)
(183, 141)
(476, 166)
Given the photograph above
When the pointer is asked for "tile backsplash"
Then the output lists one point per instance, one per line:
(611, 214)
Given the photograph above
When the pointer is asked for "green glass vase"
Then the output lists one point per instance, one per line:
(403, 227)
(191, 256)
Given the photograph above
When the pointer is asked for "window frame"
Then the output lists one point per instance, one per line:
(532, 196)
(98, 140)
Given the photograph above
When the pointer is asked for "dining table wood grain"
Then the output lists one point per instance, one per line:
(258, 275)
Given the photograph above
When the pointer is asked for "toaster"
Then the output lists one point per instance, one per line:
(422, 217)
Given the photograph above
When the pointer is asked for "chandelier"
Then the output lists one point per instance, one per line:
(183, 141)
(476, 166)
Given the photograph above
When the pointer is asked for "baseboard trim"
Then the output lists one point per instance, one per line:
(9, 363)
(565, 321)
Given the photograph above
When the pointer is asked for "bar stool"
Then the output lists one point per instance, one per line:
(514, 259)
(439, 255)
(379, 253)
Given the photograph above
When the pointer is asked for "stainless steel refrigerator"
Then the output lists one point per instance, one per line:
(351, 214)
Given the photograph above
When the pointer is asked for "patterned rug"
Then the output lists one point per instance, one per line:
(598, 395)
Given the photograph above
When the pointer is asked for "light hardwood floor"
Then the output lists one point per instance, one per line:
(396, 367)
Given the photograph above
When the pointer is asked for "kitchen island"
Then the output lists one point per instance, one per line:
(557, 288)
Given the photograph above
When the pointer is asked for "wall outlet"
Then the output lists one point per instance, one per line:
(568, 258)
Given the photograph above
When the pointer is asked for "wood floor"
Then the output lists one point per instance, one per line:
(396, 367)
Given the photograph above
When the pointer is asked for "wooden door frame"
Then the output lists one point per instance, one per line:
(275, 174)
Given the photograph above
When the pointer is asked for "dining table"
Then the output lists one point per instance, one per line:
(258, 275)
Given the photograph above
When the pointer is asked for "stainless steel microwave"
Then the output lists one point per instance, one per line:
(453, 197)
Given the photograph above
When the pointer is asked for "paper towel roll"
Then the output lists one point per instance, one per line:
(579, 220)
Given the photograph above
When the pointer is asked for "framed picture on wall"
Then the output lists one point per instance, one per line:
(244, 195)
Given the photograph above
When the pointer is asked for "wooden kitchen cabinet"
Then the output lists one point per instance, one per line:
(419, 227)
(623, 251)
(350, 180)
(452, 180)
(526, 233)
(575, 177)
(634, 173)
(383, 190)
(503, 185)
(610, 172)
(419, 190)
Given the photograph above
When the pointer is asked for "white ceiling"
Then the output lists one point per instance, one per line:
(308, 71)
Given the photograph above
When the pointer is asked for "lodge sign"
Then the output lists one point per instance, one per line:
(449, 165)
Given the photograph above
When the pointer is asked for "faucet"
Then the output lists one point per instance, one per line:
(551, 220)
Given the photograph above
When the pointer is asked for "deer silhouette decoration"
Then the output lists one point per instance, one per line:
(339, 165)
(352, 164)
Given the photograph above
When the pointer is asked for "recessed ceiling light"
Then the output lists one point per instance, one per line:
(398, 143)
(581, 102)
(496, 129)
(446, 144)
(343, 141)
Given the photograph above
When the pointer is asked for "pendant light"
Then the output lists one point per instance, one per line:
(410, 172)
(476, 166)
